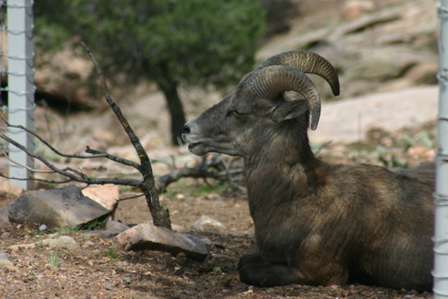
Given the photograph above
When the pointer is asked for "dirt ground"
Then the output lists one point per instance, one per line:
(100, 270)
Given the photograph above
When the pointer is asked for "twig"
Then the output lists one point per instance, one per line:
(130, 197)
(68, 174)
(31, 169)
(34, 179)
(99, 154)
(159, 214)
(104, 154)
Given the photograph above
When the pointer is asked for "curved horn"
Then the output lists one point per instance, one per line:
(271, 81)
(307, 62)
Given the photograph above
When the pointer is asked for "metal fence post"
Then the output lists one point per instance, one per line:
(440, 272)
(20, 84)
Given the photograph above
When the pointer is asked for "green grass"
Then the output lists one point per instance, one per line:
(54, 261)
(95, 224)
(112, 253)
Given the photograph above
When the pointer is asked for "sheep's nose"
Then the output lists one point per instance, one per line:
(186, 130)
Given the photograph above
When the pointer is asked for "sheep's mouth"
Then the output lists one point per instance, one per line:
(198, 148)
(191, 146)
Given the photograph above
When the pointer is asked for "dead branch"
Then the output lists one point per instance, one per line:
(149, 186)
(160, 215)
(94, 153)
(207, 169)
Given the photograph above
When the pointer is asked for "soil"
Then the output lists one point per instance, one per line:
(100, 270)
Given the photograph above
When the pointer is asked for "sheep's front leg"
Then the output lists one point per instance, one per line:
(255, 271)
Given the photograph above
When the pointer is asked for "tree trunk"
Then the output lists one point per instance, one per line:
(175, 107)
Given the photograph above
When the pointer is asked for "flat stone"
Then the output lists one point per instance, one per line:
(66, 242)
(207, 224)
(5, 262)
(147, 236)
(106, 195)
(55, 208)
(111, 229)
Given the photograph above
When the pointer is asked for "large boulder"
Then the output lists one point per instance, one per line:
(389, 111)
(150, 237)
(55, 208)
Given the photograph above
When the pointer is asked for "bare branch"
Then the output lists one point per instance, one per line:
(94, 153)
(159, 214)
(71, 173)
(34, 179)
(131, 197)
(31, 169)
(104, 154)
(199, 172)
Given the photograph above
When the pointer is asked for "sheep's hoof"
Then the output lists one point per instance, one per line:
(255, 271)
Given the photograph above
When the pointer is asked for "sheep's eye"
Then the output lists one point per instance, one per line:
(234, 113)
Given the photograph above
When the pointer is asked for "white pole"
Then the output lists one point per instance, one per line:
(20, 84)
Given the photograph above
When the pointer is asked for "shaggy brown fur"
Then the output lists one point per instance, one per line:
(317, 223)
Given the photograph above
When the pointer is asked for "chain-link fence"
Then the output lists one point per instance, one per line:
(17, 81)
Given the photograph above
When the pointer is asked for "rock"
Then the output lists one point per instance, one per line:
(43, 227)
(9, 190)
(363, 113)
(383, 64)
(116, 226)
(177, 227)
(354, 9)
(421, 153)
(206, 224)
(88, 244)
(5, 262)
(424, 73)
(55, 208)
(64, 83)
(112, 229)
(66, 242)
(106, 195)
(148, 236)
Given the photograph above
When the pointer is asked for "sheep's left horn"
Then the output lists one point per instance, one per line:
(271, 81)
(307, 62)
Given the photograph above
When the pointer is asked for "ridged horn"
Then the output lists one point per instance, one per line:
(307, 62)
(271, 81)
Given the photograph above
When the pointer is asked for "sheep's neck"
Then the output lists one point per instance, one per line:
(281, 171)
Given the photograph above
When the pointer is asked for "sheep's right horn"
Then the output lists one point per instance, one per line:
(271, 81)
(307, 62)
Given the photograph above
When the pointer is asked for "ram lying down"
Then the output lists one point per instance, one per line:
(315, 223)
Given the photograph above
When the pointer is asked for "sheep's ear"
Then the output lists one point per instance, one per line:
(288, 110)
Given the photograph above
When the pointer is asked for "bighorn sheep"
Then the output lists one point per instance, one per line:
(315, 223)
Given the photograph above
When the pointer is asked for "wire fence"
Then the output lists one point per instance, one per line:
(17, 81)
(3, 58)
